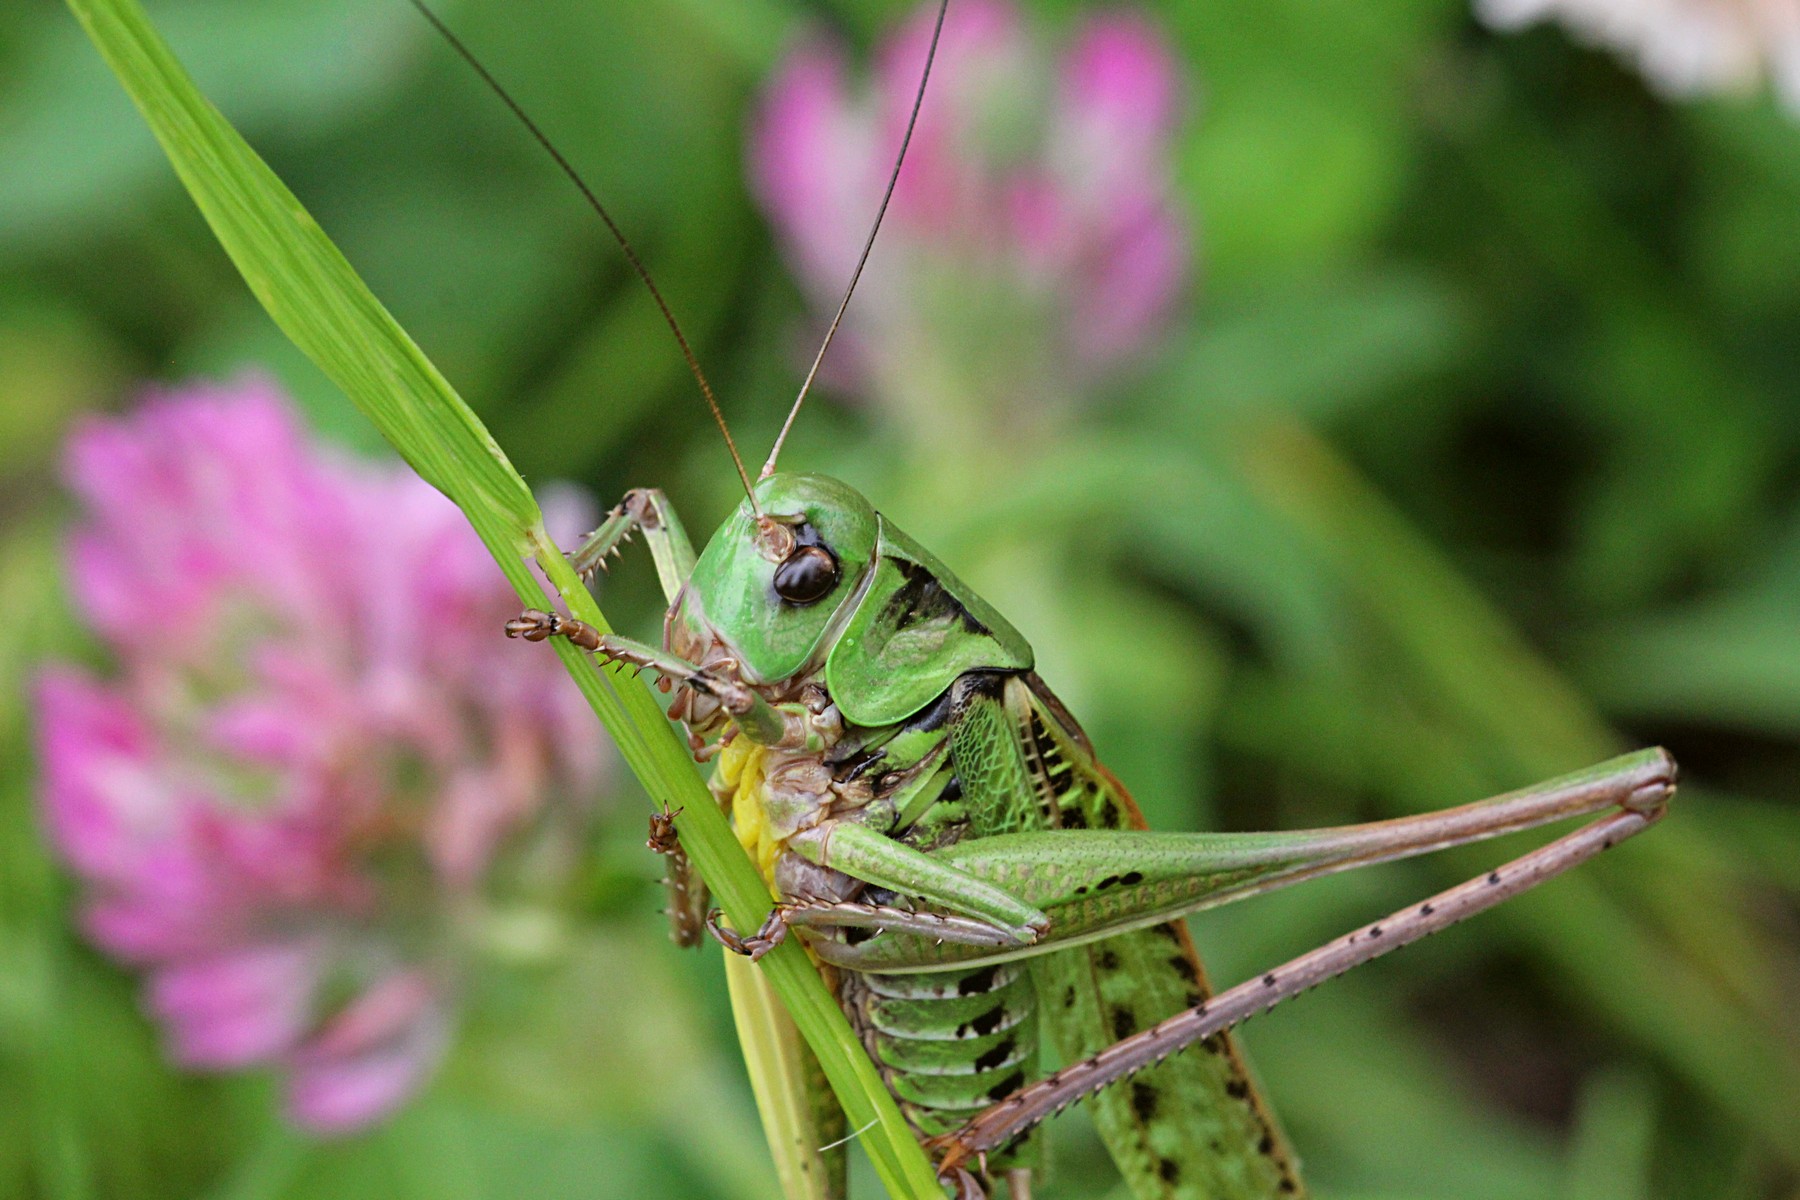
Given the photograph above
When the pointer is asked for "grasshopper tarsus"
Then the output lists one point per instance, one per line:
(752, 946)
(536, 625)
(663, 839)
(963, 1184)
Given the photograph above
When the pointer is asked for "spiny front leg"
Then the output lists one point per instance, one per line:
(649, 510)
(791, 726)
(536, 625)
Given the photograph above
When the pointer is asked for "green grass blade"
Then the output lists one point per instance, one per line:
(324, 307)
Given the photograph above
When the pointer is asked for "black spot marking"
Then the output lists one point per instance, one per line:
(1237, 1089)
(1109, 881)
(1131, 877)
(1288, 1186)
(1169, 1169)
(1082, 890)
(1214, 1044)
(1269, 979)
(921, 599)
(1183, 966)
(1169, 931)
(1196, 999)
(1007, 1086)
(1374, 931)
(1124, 1022)
(1425, 910)
(1109, 815)
(1266, 1146)
(1074, 818)
(1107, 960)
(993, 1058)
(1069, 997)
(1144, 1100)
(987, 1022)
(980, 981)
(1493, 877)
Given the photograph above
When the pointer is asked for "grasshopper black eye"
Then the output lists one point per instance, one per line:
(807, 575)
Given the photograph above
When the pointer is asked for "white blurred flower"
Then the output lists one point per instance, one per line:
(1683, 47)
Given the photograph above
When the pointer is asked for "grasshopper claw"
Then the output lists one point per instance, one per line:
(754, 946)
(535, 625)
(663, 839)
(962, 1184)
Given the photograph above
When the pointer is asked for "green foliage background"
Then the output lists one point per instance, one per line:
(1474, 460)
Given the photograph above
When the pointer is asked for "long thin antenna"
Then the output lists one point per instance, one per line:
(618, 234)
(806, 386)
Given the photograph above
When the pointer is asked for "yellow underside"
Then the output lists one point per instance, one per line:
(742, 768)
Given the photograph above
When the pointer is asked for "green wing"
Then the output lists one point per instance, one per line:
(1194, 1127)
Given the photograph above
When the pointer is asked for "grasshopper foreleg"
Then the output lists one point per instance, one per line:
(1639, 810)
(792, 725)
(645, 509)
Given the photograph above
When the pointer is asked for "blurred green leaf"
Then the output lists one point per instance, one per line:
(72, 158)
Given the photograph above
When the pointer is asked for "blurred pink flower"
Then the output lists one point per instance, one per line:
(1033, 223)
(285, 804)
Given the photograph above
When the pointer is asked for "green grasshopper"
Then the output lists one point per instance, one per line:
(936, 823)
(973, 881)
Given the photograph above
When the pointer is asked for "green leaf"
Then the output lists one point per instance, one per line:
(324, 307)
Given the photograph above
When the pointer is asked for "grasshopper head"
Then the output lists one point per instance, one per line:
(768, 590)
